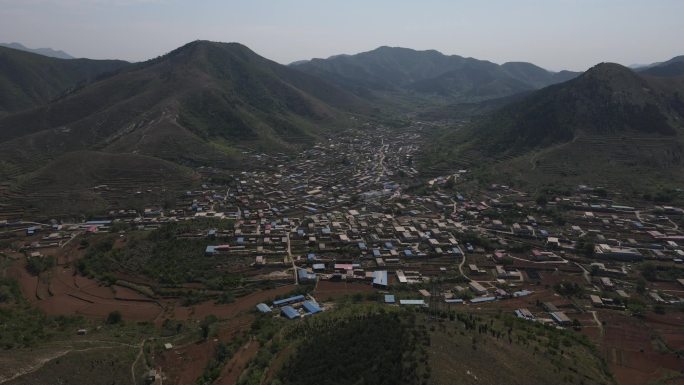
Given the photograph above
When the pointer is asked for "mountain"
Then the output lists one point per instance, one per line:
(642, 67)
(40, 51)
(200, 104)
(403, 70)
(670, 68)
(28, 80)
(610, 125)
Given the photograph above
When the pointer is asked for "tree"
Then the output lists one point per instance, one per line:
(205, 326)
(114, 318)
(641, 285)
(450, 183)
(542, 200)
(576, 324)
(649, 271)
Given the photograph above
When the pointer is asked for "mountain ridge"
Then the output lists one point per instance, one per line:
(429, 72)
(58, 54)
(28, 80)
(200, 104)
(609, 124)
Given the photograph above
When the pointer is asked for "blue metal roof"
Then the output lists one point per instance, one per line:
(319, 266)
(389, 298)
(305, 275)
(376, 253)
(380, 278)
(104, 222)
(210, 249)
(262, 307)
(408, 253)
(284, 301)
(289, 312)
(311, 307)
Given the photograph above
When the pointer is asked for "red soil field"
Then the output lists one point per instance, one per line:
(182, 365)
(328, 289)
(630, 351)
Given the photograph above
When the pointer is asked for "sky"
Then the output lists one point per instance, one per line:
(554, 34)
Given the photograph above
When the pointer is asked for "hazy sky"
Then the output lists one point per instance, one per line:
(555, 34)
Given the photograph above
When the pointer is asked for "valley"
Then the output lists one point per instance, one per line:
(213, 217)
(352, 223)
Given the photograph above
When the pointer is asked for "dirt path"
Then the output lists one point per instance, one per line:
(598, 322)
(140, 353)
(460, 265)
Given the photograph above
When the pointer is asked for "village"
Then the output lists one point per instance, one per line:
(342, 212)
(352, 219)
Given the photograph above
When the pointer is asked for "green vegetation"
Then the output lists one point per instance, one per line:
(9, 291)
(28, 79)
(573, 133)
(114, 318)
(428, 76)
(569, 289)
(464, 346)
(652, 272)
(164, 256)
(37, 265)
(378, 349)
(222, 353)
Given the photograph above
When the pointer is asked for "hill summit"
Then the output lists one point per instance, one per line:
(201, 104)
(607, 125)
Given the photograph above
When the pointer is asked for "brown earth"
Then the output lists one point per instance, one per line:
(232, 370)
(329, 289)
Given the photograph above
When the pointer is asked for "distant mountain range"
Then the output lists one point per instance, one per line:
(40, 51)
(28, 80)
(69, 125)
(401, 70)
(671, 68)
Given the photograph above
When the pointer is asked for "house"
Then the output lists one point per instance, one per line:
(289, 312)
(477, 288)
(482, 300)
(524, 313)
(596, 300)
(380, 279)
(305, 276)
(311, 307)
(289, 300)
(412, 302)
(263, 308)
(603, 250)
(561, 318)
(389, 298)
